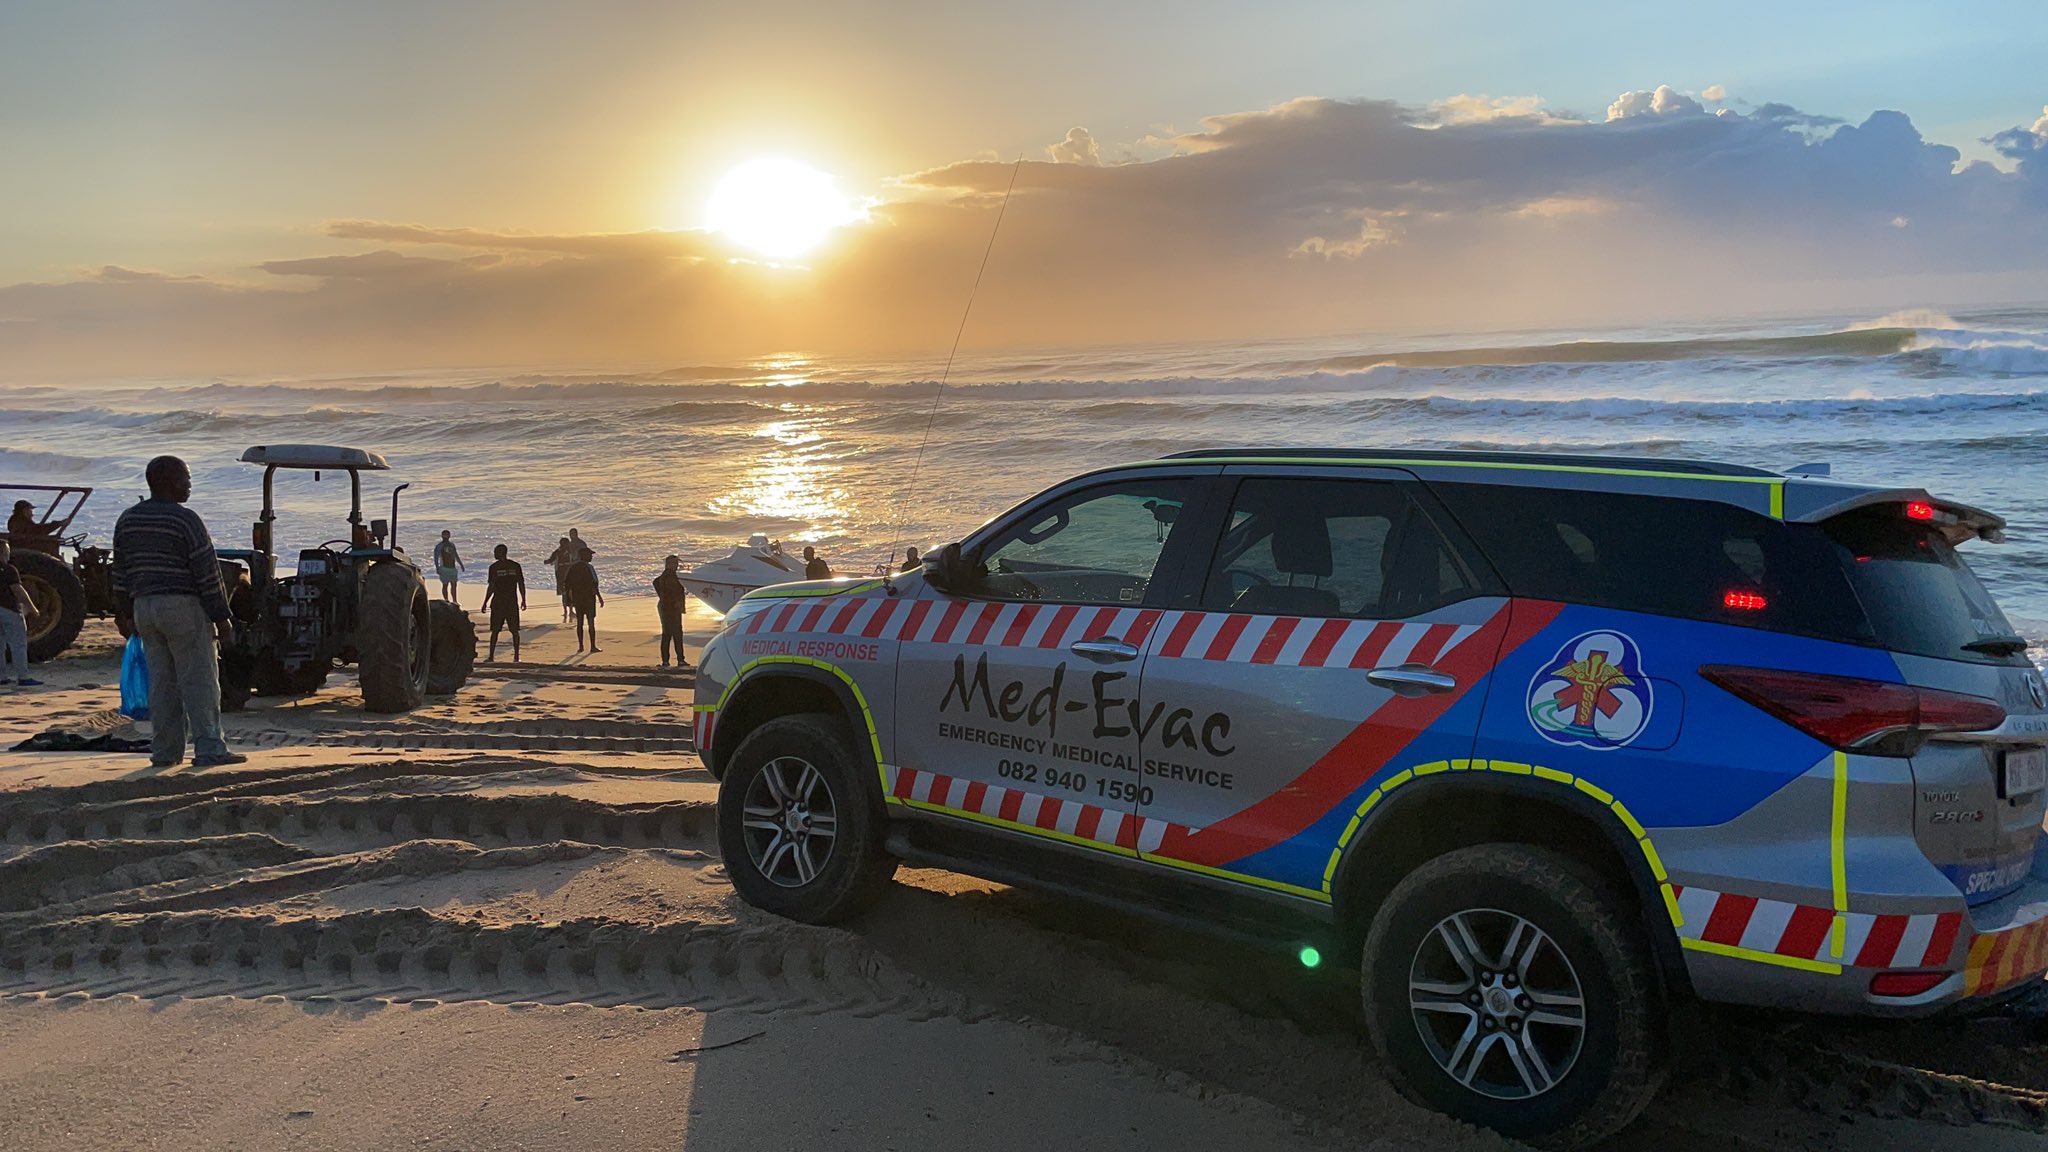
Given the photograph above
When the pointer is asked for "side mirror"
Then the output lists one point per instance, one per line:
(951, 572)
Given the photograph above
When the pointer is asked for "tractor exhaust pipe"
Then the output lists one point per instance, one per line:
(393, 541)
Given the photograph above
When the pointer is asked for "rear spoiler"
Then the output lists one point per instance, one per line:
(1956, 521)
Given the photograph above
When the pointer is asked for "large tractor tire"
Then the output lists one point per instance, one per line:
(392, 631)
(60, 598)
(453, 648)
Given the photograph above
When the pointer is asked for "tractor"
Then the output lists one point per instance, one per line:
(357, 600)
(65, 594)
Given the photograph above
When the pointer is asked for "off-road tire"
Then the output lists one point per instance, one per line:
(392, 633)
(453, 634)
(858, 869)
(58, 595)
(1620, 1064)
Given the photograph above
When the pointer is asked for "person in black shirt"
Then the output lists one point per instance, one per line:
(504, 595)
(815, 567)
(669, 587)
(580, 585)
(17, 615)
(22, 521)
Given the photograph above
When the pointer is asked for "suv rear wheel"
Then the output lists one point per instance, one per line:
(798, 825)
(1504, 986)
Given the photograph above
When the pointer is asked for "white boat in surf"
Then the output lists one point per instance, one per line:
(756, 564)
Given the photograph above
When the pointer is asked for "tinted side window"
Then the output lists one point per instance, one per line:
(1311, 547)
(1696, 559)
(1096, 546)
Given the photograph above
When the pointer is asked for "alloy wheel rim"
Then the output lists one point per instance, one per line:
(790, 820)
(1497, 1003)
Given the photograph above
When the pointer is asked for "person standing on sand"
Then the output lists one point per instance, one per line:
(669, 588)
(166, 589)
(815, 567)
(17, 615)
(449, 564)
(584, 597)
(559, 560)
(504, 596)
(578, 549)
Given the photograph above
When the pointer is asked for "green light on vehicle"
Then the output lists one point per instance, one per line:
(1310, 958)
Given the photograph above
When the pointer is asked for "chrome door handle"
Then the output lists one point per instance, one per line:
(1412, 679)
(1104, 651)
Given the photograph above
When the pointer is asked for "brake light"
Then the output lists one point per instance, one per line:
(1919, 510)
(1905, 983)
(1745, 601)
(1846, 712)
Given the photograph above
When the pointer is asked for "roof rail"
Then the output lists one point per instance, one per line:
(1560, 459)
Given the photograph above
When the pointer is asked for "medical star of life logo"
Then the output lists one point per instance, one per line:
(1592, 694)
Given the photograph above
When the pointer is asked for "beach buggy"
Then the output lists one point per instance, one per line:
(1545, 745)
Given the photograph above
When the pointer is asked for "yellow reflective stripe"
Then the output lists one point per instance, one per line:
(859, 698)
(776, 592)
(703, 707)
(1511, 768)
(1838, 856)
(1739, 953)
(1778, 500)
(1258, 881)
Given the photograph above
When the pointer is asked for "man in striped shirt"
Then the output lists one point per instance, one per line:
(167, 589)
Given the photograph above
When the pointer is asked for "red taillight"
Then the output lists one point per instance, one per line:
(1905, 983)
(1744, 601)
(1919, 510)
(1846, 712)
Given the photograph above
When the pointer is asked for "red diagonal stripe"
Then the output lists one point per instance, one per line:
(880, 620)
(1432, 643)
(1049, 813)
(1275, 639)
(1013, 800)
(906, 782)
(1729, 920)
(1022, 624)
(811, 617)
(1057, 629)
(782, 617)
(1091, 819)
(1882, 943)
(1325, 639)
(1943, 941)
(1142, 627)
(1375, 645)
(976, 792)
(950, 620)
(1183, 631)
(1226, 637)
(1804, 933)
(1366, 750)
(984, 622)
(914, 619)
(844, 617)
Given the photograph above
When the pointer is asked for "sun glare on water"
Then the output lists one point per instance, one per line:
(779, 207)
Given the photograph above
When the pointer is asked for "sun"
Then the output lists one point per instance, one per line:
(779, 207)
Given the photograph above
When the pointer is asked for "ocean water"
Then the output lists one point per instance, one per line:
(810, 450)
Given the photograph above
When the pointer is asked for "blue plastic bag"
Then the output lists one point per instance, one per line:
(134, 681)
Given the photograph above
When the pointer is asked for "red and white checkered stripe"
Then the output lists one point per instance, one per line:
(1287, 641)
(1029, 810)
(1921, 940)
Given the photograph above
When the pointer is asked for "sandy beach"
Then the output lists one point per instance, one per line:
(501, 921)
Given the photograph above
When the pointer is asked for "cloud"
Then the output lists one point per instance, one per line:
(115, 274)
(1714, 93)
(1311, 216)
(1078, 148)
(1664, 101)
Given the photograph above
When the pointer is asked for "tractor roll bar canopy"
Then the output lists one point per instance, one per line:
(316, 457)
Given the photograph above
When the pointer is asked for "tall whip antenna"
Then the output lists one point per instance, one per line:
(889, 562)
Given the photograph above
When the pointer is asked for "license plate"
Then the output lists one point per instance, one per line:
(2024, 771)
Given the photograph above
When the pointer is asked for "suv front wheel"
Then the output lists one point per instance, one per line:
(798, 825)
(1505, 987)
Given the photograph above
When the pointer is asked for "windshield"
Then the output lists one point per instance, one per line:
(1920, 596)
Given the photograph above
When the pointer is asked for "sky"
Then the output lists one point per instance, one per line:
(203, 187)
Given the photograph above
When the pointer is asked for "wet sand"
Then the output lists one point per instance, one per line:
(501, 921)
